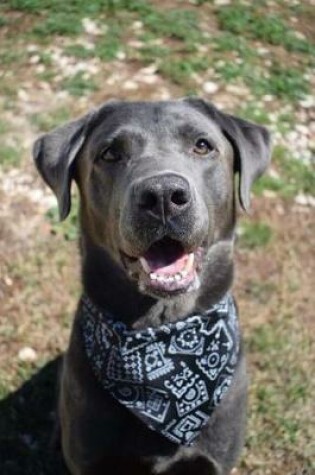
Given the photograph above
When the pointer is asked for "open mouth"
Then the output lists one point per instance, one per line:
(168, 268)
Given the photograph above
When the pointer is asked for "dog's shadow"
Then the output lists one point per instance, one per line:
(27, 425)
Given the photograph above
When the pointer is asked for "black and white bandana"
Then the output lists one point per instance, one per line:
(171, 377)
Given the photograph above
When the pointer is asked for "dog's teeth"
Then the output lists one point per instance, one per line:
(153, 276)
(178, 276)
(160, 278)
(145, 265)
(190, 262)
(184, 273)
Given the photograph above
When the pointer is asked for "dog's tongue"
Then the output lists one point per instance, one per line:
(165, 257)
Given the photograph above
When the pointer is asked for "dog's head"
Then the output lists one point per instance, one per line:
(156, 181)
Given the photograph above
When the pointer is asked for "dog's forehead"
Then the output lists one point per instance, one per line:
(166, 117)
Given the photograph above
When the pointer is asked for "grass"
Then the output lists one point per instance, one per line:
(175, 24)
(3, 127)
(108, 46)
(281, 391)
(180, 71)
(9, 157)
(45, 122)
(283, 82)
(254, 22)
(79, 85)
(79, 51)
(295, 176)
(67, 230)
(254, 235)
(58, 24)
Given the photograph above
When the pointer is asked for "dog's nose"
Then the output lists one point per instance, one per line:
(164, 196)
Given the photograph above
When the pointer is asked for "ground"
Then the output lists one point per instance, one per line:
(255, 59)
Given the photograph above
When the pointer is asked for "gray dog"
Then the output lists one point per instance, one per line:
(154, 380)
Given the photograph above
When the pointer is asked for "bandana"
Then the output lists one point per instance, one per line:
(171, 377)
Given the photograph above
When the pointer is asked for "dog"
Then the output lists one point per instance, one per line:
(154, 379)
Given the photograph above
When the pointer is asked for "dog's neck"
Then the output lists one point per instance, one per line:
(109, 287)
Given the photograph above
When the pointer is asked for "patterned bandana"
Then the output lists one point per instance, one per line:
(171, 377)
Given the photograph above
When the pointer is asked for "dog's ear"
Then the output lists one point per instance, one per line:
(251, 144)
(54, 154)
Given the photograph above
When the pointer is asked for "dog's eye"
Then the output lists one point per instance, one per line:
(108, 155)
(203, 147)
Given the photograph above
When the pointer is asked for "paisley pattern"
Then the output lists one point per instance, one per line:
(171, 377)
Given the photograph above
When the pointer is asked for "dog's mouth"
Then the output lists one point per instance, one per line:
(166, 268)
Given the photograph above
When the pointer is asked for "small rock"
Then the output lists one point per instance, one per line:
(269, 194)
(302, 129)
(299, 35)
(280, 209)
(210, 87)
(8, 281)
(221, 3)
(135, 44)
(121, 55)
(263, 51)
(35, 59)
(27, 354)
(148, 70)
(308, 102)
(90, 27)
(237, 90)
(268, 98)
(305, 200)
(22, 95)
(274, 174)
(137, 25)
(31, 48)
(130, 85)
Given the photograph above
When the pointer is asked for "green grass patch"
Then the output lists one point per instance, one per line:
(250, 111)
(68, 229)
(150, 53)
(45, 122)
(180, 25)
(9, 157)
(111, 42)
(79, 85)
(281, 81)
(3, 21)
(254, 235)
(227, 41)
(45, 58)
(180, 71)
(261, 290)
(229, 70)
(3, 127)
(58, 24)
(270, 28)
(298, 176)
(79, 51)
(9, 56)
(74, 7)
(280, 391)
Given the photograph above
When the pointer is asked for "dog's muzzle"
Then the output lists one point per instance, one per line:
(162, 236)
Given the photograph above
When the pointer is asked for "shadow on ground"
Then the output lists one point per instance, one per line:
(27, 424)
